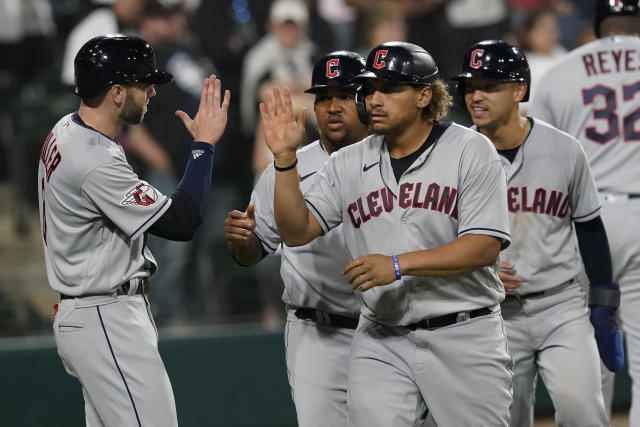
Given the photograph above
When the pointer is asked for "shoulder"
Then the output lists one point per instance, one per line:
(369, 146)
(549, 134)
(86, 148)
(553, 139)
(466, 138)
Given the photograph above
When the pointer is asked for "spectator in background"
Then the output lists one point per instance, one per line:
(383, 22)
(574, 17)
(116, 17)
(284, 56)
(161, 142)
(340, 20)
(539, 39)
(27, 32)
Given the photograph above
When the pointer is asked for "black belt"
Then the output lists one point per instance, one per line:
(447, 319)
(143, 289)
(549, 291)
(327, 319)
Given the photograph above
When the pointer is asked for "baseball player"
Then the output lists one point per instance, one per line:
(322, 308)
(545, 311)
(424, 214)
(593, 93)
(95, 215)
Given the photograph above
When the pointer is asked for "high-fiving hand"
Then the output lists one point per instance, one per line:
(209, 123)
(283, 132)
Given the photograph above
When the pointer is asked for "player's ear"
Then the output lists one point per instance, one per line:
(424, 96)
(520, 91)
(118, 93)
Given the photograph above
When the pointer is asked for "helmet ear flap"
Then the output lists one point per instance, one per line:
(361, 108)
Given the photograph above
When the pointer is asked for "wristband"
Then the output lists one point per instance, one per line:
(286, 168)
(396, 266)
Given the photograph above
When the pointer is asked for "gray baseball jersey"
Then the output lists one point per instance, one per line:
(455, 187)
(317, 356)
(599, 107)
(549, 185)
(94, 211)
(311, 273)
(593, 93)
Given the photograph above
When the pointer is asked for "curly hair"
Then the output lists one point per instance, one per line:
(440, 102)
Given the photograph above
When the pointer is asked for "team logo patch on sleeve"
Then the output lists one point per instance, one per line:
(142, 194)
(197, 153)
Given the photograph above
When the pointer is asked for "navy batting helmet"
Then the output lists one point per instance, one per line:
(494, 60)
(115, 58)
(396, 62)
(606, 8)
(336, 69)
(400, 62)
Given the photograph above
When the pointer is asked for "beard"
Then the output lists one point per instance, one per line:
(132, 113)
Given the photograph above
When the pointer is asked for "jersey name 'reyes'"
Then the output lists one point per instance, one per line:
(601, 108)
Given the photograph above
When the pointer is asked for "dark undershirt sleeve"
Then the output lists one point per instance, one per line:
(594, 248)
(180, 221)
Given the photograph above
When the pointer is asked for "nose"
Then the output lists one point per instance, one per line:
(151, 91)
(335, 105)
(375, 98)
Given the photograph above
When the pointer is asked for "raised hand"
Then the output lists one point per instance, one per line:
(508, 278)
(283, 132)
(239, 226)
(370, 270)
(211, 119)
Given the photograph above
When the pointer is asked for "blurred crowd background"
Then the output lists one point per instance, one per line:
(250, 45)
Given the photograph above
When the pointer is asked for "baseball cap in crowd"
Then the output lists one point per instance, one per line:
(289, 10)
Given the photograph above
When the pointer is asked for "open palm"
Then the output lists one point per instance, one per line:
(283, 132)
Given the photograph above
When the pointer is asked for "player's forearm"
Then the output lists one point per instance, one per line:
(291, 213)
(246, 252)
(594, 249)
(463, 255)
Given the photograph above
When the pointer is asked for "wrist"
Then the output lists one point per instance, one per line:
(285, 159)
(604, 294)
(396, 266)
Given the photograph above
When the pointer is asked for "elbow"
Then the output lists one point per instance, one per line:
(187, 236)
(489, 255)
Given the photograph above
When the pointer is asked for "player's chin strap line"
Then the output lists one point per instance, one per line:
(605, 294)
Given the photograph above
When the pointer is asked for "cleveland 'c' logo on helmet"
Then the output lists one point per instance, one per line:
(475, 62)
(378, 61)
(332, 67)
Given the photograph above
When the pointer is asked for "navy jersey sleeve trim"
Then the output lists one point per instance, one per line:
(151, 218)
(577, 218)
(326, 226)
(485, 229)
